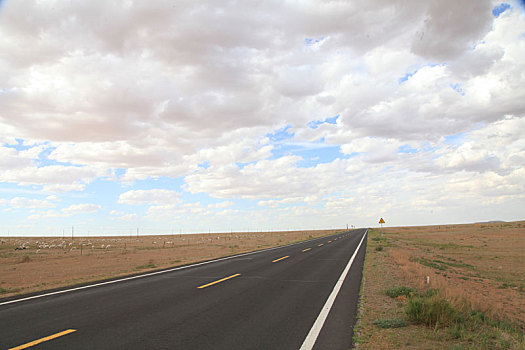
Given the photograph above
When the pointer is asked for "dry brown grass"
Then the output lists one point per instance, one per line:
(49, 263)
(480, 263)
(380, 273)
(474, 267)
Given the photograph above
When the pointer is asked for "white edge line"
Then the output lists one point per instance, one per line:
(311, 338)
(148, 274)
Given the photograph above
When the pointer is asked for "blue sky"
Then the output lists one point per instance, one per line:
(303, 120)
(499, 9)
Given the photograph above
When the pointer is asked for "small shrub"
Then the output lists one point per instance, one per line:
(25, 259)
(390, 323)
(456, 331)
(150, 265)
(394, 292)
(379, 248)
(9, 290)
(432, 311)
(430, 292)
(477, 317)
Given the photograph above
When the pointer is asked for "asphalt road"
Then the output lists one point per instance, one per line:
(264, 300)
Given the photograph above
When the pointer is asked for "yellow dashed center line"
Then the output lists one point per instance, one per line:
(41, 340)
(307, 249)
(218, 281)
(284, 257)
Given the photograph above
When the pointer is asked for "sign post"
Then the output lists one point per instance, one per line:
(381, 221)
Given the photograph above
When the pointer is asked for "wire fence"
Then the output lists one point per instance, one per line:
(88, 231)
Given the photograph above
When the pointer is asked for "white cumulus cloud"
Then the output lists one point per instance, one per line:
(156, 196)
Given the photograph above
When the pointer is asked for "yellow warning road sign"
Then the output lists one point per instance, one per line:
(381, 221)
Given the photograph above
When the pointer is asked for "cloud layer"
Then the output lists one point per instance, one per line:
(160, 112)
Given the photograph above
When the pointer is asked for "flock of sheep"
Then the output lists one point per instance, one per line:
(83, 243)
(53, 244)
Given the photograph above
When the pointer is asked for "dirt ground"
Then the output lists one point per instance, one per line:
(30, 264)
(381, 273)
(480, 263)
(484, 263)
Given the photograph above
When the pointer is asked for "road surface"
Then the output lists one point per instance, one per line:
(272, 299)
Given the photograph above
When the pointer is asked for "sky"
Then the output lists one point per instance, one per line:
(220, 116)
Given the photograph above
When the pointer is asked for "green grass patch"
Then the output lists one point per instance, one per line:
(461, 322)
(441, 246)
(444, 246)
(432, 311)
(454, 263)
(150, 265)
(146, 266)
(390, 323)
(435, 264)
(9, 290)
(394, 292)
(375, 240)
(506, 285)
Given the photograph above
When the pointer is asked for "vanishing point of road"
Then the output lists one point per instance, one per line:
(300, 296)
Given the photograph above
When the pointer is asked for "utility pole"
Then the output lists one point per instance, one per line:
(72, 232)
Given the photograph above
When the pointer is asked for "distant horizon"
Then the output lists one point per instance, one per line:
(66, 236)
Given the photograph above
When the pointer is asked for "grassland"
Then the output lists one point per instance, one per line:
(35, 264)
(444, 287)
